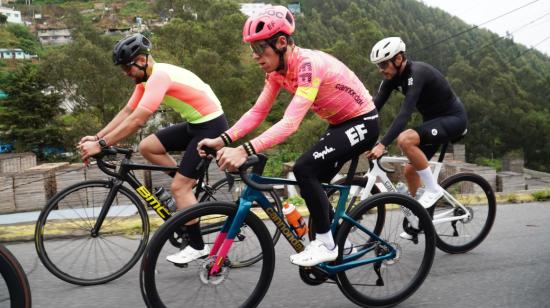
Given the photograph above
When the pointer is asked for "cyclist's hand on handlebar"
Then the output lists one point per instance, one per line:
(376, 152)
(230, 159)
(215, 143)
(89, 149)
(87, 138)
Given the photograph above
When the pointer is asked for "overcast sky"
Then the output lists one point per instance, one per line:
(529, 25)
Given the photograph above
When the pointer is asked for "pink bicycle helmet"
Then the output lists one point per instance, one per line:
(272, 20)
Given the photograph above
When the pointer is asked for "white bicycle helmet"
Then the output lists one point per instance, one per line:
(386, 49)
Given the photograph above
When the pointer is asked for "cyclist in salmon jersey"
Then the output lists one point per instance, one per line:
(187, 94)
(321, 83)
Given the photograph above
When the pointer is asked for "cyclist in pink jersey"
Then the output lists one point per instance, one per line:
(180, 89)
(321, 83)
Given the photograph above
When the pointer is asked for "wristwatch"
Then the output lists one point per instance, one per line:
(102, 143)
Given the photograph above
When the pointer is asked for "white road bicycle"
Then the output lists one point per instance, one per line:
(462, 218)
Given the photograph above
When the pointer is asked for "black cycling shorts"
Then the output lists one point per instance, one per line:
(185, 137)
(439, 131)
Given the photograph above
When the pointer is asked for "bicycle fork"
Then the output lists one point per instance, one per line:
(225, 238)
(106, 207)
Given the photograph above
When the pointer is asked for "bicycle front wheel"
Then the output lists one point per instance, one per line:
(475, 194)
(14, 286)
(390, 281)
(72, 250)
(221, 191)
(164, 284)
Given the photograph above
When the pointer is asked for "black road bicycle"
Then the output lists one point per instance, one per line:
(96, 230)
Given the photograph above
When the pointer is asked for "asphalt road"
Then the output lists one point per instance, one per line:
(510, 269)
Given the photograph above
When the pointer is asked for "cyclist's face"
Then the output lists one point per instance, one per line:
(388, 69)
(132, 71)
(264, 54)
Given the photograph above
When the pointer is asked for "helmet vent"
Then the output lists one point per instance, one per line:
(260, 26)
(388, 43)
(289, 18)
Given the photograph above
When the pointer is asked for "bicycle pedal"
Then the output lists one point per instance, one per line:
(183, 265)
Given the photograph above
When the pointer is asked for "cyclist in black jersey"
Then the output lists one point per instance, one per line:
(443, 114)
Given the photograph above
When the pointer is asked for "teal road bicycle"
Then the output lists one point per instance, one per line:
(378, 269)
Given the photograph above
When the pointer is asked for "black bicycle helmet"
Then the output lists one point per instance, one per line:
(129, 47)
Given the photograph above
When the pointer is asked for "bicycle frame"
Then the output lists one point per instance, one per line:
(377, 176)
(124, 174)
(225, 238)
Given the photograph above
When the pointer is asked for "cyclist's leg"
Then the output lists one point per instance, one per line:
(411, 173)
(182, 186)
(421, 143)
(413, 179)
(155, 147)
(320, 163)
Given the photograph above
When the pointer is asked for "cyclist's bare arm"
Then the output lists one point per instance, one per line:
(127, 125)
(122, 114)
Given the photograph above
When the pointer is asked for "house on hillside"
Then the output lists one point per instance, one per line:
(14, 54)
(13, 15)
(51, 35)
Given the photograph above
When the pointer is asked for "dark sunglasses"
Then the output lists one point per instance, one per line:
(128, 66)
(259, 47)
(383, 65)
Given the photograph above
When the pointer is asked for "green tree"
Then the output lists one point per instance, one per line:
(29, 118)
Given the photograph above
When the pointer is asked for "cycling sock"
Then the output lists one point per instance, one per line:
(327, 239)
(428, 179)
(195, 238)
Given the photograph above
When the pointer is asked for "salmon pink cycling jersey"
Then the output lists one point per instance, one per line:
(179, 89)
(318, 81)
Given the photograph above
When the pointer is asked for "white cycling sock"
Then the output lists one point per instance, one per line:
(327, 239)
(428, 179)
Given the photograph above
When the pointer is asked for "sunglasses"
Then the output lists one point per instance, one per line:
(259, 47)
(383, 65)
(126, 67)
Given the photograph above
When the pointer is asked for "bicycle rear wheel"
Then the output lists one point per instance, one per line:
(69, 248)
(357, 185)
(474, 193)
(221, 191)
(391, 281)
(14, 286)
(165, 285)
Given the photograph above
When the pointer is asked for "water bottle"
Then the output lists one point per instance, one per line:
(295, 219)
(401, 188)
(165, 198)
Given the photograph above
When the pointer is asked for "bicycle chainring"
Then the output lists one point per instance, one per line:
(312, 275)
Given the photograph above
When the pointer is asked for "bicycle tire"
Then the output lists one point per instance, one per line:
(220, 192)
(66, 222)
(359, 182)
(398, 278)
(476, 194)
(15, 279)
(162, 284)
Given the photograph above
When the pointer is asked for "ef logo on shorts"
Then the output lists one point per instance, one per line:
(434, 132)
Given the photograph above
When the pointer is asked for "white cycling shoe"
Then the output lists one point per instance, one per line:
(314, 253)
(429, 197)
(188, 254)
(406, 236)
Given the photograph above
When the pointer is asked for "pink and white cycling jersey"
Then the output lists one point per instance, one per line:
(180, 89)
(318, 81)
